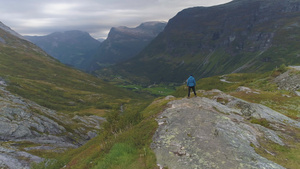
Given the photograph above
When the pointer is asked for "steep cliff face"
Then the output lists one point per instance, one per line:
(74, 48)
(219, 131)
(240, 36)
(124, 43)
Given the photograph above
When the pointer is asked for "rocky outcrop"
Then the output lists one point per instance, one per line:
(15, 159)
(289, 80)
(216, 133)
(25, 122)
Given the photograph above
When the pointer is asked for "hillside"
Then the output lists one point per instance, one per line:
(47, 107)
(237, 120)
(240, 36)
(124, 43)
(73, 48)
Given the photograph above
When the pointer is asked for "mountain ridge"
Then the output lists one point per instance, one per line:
(73, 47)
(124, 43)
(9, 30)
(239, 36)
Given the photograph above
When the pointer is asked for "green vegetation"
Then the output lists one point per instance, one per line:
(156, 90)
(267, 94)
(120, 156)
(124, 142)
(287, 155)
(262, 122)
(197, 46)
(231, 83)
(32, 74)
(125, 139)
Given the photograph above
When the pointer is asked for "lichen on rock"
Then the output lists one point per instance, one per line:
(203, 133)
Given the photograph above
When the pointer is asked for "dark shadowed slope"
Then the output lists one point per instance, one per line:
(240, 36)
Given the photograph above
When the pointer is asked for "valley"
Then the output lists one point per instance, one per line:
(122, 103)
(250, 108)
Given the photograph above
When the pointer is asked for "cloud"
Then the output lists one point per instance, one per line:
(36, 17)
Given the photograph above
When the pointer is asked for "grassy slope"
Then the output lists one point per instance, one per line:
(182, 50)
(123, 143)
(126, 138)
(38, 77)
(34, 75)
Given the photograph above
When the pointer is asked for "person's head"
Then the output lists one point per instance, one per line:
(191, 75)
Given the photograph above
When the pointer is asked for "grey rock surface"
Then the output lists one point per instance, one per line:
(203, 133)
(15, 159)
(290, 80)
(23, 121)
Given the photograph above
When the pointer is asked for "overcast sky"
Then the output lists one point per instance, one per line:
(42, 17)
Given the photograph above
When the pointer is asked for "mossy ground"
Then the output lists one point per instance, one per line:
(287, 155)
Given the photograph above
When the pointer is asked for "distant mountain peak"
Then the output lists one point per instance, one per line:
(152, 23)
(124, 43)
(73, 47)
(146, 29)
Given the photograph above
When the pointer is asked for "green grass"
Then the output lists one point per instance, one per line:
(124, 142)
(120, 156)
(36, 76)
(288, 155)
(215, 82)
(262, 122)
(155, 90)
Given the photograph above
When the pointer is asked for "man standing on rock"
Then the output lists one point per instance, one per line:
(191, 83)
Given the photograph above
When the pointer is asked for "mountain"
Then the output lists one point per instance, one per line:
(9, 30)
(72, 48)
(123, 43)
(240, 36)
(47, 110)
(47, 107)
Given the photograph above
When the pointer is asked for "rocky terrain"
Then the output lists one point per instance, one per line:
(218, 132)
(26, 126)
(290, 80)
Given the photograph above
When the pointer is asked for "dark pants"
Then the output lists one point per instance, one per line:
(192, 87)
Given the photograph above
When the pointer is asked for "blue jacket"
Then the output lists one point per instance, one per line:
(191, 81)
